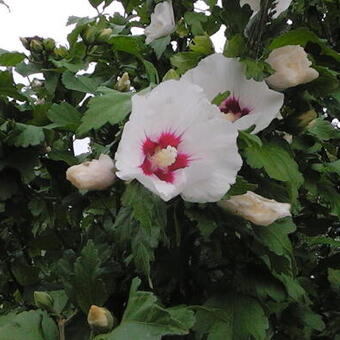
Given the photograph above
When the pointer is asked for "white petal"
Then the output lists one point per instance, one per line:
(255, 5)
(216, 160)
(217, 74)
(162, 22)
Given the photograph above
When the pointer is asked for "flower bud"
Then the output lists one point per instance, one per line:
(25, 43)
(104, 35)
(123, 83)
(100, 319)
(43, 300)
(255, 208)
(36, 46)
(90, 34)
(49, 44)
(291, 66)
(95, 175)
(60, 52)
(162, 22)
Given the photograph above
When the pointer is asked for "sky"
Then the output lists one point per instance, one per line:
(48, 18)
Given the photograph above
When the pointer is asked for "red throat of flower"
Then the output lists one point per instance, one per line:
(161, 157)
(233, 109)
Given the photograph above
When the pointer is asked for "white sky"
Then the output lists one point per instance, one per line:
(47, 19)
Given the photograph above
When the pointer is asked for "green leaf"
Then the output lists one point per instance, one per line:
(236, 46)
(32, 325)
(333, 167)
(334, 279)
(80, 83)
(184, 61)
(111, 107)
(10, 58)
(232, 317)
(160, 45)
(151, 72)
(64, 116)
(95, 3)
(26, 135)
(202, 44)
(275, 237)
(145, 319)
(130, 44)
(195, 20)
(82, 278)
(323, 130)
(278, 164)
(148, 209)
(205, 223)
(7, 86)
(256, 69)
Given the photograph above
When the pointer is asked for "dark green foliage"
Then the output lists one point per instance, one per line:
(204, 274)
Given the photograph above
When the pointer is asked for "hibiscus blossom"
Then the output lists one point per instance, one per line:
(255, 5)
(250, 102)
(176, 142)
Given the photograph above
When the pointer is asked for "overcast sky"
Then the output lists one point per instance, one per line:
(47, 18)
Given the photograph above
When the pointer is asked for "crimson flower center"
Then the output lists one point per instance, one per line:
(233, 109)
(162, 158)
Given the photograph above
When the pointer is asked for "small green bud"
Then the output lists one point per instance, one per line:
(43, 300)
(90, 34)
(60, 52)
(49, 44)
(123, 83)
(100, 319)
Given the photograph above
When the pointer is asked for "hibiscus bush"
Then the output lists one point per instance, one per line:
(208, 204)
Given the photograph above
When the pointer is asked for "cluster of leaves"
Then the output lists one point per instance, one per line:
(204, 274)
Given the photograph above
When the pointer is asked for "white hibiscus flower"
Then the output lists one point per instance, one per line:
(255, 5)
(250, 102)
(162, 22)
(176, 142)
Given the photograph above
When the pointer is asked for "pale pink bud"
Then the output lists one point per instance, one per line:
(95, 175)
(292, 67)
(255, 208)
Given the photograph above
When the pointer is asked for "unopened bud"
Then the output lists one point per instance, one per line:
(90, 34)
(104, 35)
(49, 44)
(255, 208)
(123, 83)
(25, 43)
(36, 46)
(60, 52)
(100, 319)
(43, 300)
(95, 175)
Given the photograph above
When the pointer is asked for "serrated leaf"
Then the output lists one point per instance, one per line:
(111, 107)
(278, 164)
(145, 319)
(323, 130)
(130, 44)
(32, 325)
(334, 279)
(64, 116)
(82, 279)
(235, 47)
(184, 61)
(80, 83)
(232, 317)
(26, 135)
